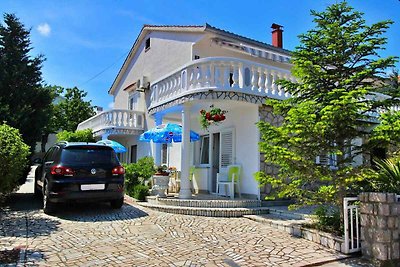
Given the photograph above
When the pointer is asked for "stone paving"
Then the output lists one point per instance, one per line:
(89, 235)
(96, 235)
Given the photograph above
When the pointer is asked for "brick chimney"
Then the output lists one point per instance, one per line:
(277, 37)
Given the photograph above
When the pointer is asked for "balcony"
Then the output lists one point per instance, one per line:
(116, 121)
(232, 76)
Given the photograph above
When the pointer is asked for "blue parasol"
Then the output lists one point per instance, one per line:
(166, 133)
(118, 148)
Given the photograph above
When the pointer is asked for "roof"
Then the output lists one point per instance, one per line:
(189, 28)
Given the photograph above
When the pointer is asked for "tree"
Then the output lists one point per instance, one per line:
(338, 69)
(72, 109)
(66, 112)
(78, 136)
(13, 153)
(387, 134)
(24, 103)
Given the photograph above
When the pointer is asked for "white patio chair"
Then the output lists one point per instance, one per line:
(228, 180)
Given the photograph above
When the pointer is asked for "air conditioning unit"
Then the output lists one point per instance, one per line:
(142, 84)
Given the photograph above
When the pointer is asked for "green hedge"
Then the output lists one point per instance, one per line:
(13, 158)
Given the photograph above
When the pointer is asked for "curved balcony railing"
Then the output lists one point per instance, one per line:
(220, 74)
(115, 118)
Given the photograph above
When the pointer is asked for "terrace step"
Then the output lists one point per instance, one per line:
(208, 212)
(205, 203)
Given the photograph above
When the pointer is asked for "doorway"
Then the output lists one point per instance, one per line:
(215, 161)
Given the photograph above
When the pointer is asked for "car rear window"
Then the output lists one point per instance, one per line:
(86, 154)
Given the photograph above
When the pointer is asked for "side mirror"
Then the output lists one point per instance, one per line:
(37, 161)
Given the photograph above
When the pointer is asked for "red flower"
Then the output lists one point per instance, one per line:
(208, 116)
(222, 117)
(216, 117)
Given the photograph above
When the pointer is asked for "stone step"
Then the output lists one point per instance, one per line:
(205, 203)
(208, 212)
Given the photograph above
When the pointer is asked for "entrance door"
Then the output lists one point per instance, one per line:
(133, 154)
(215, 161)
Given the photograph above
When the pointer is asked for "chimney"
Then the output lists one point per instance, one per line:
(277, 37)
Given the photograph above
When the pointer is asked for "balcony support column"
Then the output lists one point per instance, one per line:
(157, 146)
(185, 192)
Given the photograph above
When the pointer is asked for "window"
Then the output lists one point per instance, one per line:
(147, 46)
(133, 101)
(204, 149)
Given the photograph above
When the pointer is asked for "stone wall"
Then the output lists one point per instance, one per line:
(380, 216)
(267, 115)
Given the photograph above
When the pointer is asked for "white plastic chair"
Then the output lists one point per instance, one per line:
(229, 179)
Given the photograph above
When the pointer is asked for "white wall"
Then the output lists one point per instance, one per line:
(242, 118)
(168, 51)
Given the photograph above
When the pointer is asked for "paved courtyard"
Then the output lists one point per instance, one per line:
(96, 235)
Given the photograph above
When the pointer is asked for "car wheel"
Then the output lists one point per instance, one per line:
(48, 207)
(117, 203)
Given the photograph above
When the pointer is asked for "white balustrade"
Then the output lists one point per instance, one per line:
(220, 74)
(115, 118)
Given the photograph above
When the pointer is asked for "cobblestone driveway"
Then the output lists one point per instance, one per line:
(94, 234)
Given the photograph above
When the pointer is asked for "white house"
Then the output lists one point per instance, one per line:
(173, 72)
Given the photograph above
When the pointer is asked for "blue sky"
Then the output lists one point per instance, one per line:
(85, 42)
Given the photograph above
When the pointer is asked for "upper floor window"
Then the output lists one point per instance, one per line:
(133, 101)
(147, 46)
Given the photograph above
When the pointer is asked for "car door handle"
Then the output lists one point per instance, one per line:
(48, 163)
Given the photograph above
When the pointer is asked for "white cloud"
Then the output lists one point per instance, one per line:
(44, 29)
(111, 105)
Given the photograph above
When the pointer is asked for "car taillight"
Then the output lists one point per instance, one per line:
(118, 170)
(61, 170)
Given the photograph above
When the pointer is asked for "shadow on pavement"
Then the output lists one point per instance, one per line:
(20, 217)
(97, 212)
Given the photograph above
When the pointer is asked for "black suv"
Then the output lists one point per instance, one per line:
(79, 171)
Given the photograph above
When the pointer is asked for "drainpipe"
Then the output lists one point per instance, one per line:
(185, 192)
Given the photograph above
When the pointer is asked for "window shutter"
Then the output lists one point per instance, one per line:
(322, 159)
(226, 148)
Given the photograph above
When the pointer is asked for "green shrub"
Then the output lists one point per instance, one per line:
(328, 219)
(388, 176)
(140, 192)
(138, 173)
(13, 158)
(77, 136)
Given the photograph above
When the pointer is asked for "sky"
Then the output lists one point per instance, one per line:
(85, 42)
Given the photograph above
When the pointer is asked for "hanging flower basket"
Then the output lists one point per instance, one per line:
(213, 116)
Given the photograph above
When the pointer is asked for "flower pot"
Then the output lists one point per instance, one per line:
(161, 183)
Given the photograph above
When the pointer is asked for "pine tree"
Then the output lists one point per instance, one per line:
(338, 69)
(24, 103)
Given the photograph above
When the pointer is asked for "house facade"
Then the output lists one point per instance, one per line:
(173, 72)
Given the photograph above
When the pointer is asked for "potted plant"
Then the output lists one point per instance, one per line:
(162, 170)
(161, 181)
(212, 116)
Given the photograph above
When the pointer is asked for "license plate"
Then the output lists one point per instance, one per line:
(86, 187)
